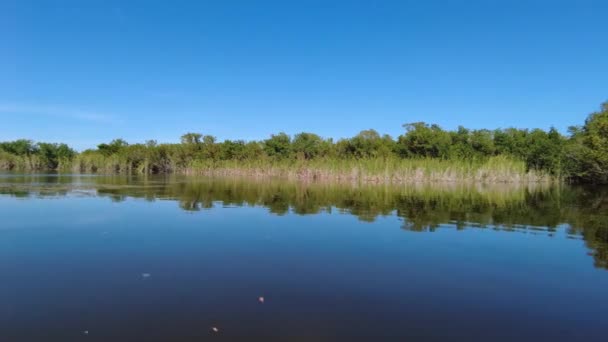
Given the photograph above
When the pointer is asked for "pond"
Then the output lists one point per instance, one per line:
(170, 258)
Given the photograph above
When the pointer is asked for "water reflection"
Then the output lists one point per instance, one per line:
(422, 208)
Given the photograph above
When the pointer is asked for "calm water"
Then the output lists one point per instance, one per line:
(87, 258)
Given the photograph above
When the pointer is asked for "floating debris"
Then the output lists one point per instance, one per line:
(215, 329)
(261, 300)
(86, 332)
(146, 275)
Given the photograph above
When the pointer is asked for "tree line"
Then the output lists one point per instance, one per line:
(581, 155)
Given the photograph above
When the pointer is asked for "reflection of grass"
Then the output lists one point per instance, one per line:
(423, 206)
(256, 191)
(535, 207)
(306, 197)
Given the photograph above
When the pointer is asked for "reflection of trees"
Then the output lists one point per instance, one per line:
(277, 203)
(19, 193)
(422, 208)
(588, 216)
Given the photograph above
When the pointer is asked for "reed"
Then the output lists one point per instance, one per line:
(385, 171)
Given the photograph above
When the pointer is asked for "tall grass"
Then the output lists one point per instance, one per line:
(30, 163)
(498, 169)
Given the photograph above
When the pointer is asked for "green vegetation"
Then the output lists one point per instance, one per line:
(25, 155)
(423, 153)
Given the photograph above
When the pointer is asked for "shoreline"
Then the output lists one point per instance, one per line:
(417, 176)
(355, 176)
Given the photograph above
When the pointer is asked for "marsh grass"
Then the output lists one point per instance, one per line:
(391, 170)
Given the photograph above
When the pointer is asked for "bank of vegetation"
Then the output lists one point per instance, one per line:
(422, 153)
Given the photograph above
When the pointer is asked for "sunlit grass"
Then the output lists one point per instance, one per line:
(498, 169)
(392, 170)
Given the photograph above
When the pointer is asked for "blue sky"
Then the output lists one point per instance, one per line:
(85, 72)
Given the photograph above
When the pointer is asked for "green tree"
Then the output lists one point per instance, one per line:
(590, 150)
(209, 149)
(511, 141)
(232, 150)
(114, 147)
(461, 144)
(278, 146)
(482, 143)
(423, 140)
(307, 145)
(191, 138)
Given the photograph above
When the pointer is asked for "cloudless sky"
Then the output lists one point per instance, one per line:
(86, 72)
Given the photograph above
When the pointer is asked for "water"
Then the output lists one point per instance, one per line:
(91, 258)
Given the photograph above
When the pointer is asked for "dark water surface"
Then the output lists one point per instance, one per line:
(91, 258)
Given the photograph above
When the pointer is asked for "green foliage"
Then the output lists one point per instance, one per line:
(423, 140)
(21, 147)
(367, 144)
(52, 156)
(233, 150)
(114, 147)
(582, 156)
(308, 145)
(191, 138)
(545, 150)
(278, 146)
(587, 150)
(26, 155)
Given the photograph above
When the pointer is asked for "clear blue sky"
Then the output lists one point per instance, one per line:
(85, 72)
